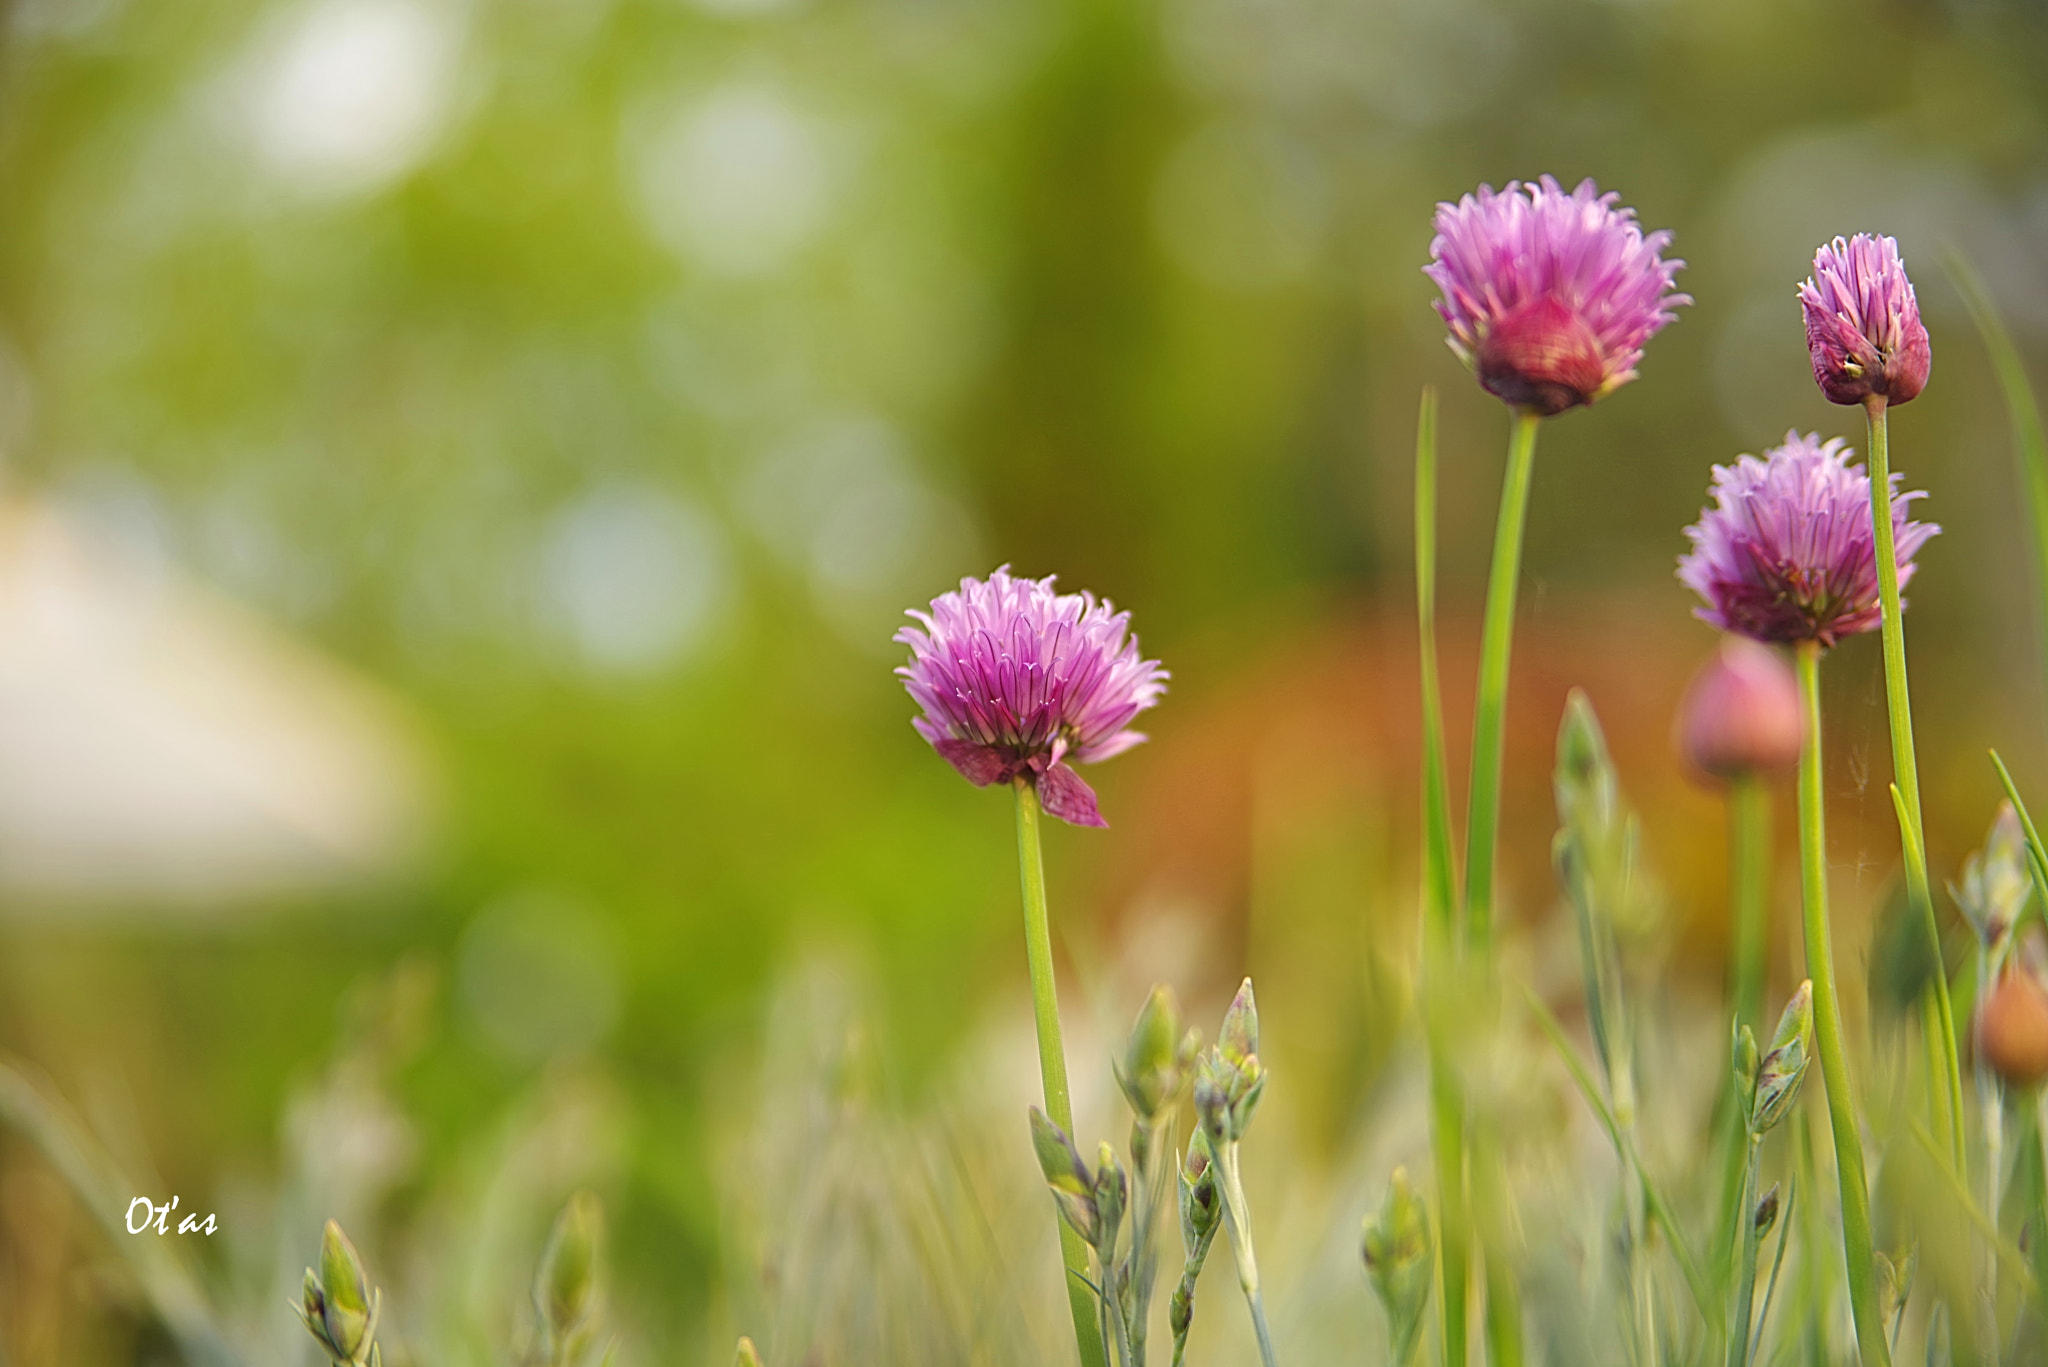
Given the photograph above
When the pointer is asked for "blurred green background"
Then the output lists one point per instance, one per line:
(464, 460)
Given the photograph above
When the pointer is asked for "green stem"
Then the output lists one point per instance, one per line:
(1744, 1299)
(1857, 1250)
(1237, 1219)
(1439, 920)
(1447, 1136)
(1749, 872)
(1497, 632)
(1052, 1059)
(1153, 1177)
(1905, 766)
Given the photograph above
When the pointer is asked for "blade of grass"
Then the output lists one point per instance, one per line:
(2028, 433)
(1777, 1264)
(2007, 1250)
(1582, 1077)
(2037, 856)
(1440, 937)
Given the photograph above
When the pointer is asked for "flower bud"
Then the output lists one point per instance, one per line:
(566, 1285)
(336, 1304)
(1239, 1038)
(1741, 716)
(1154, 1066)
(1863, 327)
(1112, 1193)
(1072, 1184)
(748, 1356)
(1784, 1067)
(1996, 880)
(2012, 1029)
(1227, 1092)
(1397, 1258)
(1744, 1062)
(1201, 1204)
(1767, 1211)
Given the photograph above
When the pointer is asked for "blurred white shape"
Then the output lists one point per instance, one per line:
(1243, 207)
(738, 181)
(747, 9)
(64, 19)
(344, 95)
(539, 973)
(630, 577)
(159, 748)
(841, 500)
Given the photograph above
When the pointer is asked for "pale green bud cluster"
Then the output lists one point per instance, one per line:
(567, 1290)
(1153, 1069)
(1996, 880)
(1398, 1259)
(337, 1304)
(1229, 1079)
(1768, 1085)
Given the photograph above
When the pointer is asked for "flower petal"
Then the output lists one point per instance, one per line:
(1067, 796)
(980, 765)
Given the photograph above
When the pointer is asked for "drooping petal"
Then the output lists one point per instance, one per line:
(980, 765)
(1066, 795)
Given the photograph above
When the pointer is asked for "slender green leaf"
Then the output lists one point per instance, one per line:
(2028, 433)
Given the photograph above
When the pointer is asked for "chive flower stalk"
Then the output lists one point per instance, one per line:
(1549, 296)
(1869, 347)
(1788, 556)
(1016, 682)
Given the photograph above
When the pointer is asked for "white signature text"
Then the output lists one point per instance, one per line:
(159, 1216)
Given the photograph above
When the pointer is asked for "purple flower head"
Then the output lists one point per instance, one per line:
(1786, 553)
(1549, 296)
(1863, 323)
(1016, 681)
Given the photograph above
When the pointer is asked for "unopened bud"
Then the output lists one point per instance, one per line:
(1996, 879)
(1744, 1062)
(1741, 716)
(336, 1303)
(566, 1286)
(1239, 1038)
(1397, 1258)
(1072, 1184)
(1767, 1211)
(747, 1356)
(2012, 1029)
(1112, 1193)
(1784, 1067)
(1227, 1092)
(1154, 1066)
(1200, 1203)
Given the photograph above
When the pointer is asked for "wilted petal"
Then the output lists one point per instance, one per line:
(980, 765)
(1066, 795)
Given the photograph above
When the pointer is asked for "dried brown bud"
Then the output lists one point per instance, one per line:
(2012, 1029)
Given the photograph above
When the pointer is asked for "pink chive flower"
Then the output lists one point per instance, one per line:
(1786, 553)
(1550, 296)
(1017, 681)
(1863, 323)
